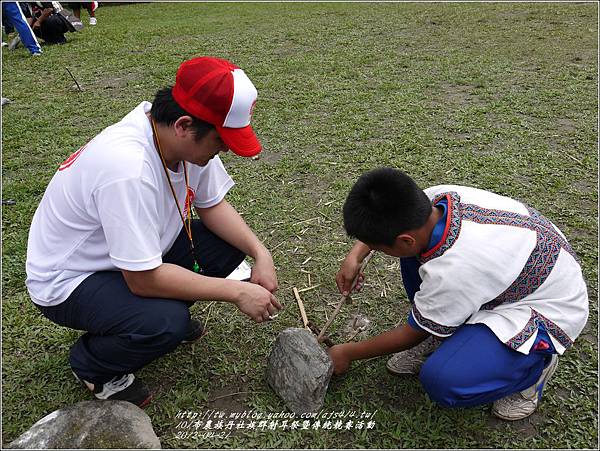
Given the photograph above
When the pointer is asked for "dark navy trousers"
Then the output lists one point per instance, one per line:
(125, 332)
(472, 367)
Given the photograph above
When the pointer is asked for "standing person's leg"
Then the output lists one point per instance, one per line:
(76, 18)
(15, 16)
(473, 367)
(91, 8)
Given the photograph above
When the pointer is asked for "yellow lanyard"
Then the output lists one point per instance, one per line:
(187, 220)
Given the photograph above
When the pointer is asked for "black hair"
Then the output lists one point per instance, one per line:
(165, 110)
(383, 204)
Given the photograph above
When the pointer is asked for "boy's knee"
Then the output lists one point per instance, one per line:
(439, 382)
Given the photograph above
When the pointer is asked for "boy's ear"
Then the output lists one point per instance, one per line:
(406, 240)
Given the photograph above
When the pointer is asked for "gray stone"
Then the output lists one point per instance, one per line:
(299, 370)
(91, 425)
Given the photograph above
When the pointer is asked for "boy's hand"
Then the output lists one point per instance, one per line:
(345, 276)
(341, 359)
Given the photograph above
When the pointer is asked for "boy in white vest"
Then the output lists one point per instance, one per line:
(496, 291)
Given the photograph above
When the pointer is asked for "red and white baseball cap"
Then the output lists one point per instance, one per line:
(218, 92)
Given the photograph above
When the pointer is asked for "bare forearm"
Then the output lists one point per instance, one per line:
(173, 282)
(226, 222)
(359, 251)
(395, 340)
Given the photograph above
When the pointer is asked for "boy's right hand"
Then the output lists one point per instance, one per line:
(340, 358)
(257, 302)
(345, 276)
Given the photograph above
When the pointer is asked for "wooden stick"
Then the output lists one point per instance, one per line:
(315, 330)
(78, 87)
(301, 306)
(345, 298)
(302, 290)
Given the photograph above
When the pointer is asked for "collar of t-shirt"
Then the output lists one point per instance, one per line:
(440, 226)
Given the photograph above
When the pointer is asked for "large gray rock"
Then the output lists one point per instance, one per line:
(91, 425)
(299, 370)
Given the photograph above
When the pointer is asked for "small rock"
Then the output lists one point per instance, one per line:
(91, 425)
(299, 370)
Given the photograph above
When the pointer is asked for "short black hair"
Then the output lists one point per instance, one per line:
(165, 110)
(383, 204)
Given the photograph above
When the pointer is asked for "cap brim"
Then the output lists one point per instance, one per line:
(242, 141)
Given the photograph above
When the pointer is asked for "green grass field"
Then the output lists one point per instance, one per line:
(497, 96)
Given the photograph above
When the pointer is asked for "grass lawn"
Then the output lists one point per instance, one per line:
(497, 96)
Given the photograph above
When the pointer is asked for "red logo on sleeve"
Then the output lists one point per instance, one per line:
(69, 161)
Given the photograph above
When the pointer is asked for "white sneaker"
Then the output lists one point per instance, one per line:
(411, 360)
(522, 404)
(93, 21)
(77, 24)
(120, 388)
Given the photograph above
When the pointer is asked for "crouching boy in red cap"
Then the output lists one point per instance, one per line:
(113, 249)
(492, 277)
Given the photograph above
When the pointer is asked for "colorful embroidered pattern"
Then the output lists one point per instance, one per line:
(536, 270)
(452, 226)
(532, 325)
(541, 261)
(538, 267)
(432, 325)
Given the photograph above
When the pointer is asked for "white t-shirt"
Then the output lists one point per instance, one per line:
(109, 207)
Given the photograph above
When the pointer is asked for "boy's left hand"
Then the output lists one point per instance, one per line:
(341, 360)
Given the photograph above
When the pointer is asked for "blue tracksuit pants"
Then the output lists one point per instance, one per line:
(472, 366)
(14, 15)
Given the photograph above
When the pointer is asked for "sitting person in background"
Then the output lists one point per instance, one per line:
(47, 23)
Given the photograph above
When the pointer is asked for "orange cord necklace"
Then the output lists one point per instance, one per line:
(186, 220)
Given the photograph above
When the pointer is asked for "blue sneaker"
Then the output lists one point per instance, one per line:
(522, 404)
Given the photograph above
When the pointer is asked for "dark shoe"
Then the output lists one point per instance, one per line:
(121, 388)
(194, 332)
